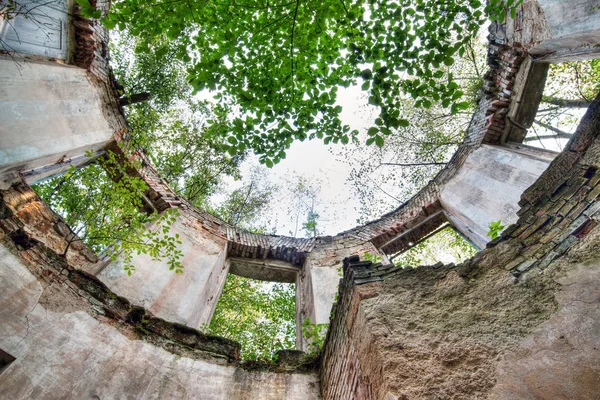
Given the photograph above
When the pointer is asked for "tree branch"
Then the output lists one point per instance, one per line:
(559, 133)
(566, 102)
(414, 164)
(557, 136)
(292, 46)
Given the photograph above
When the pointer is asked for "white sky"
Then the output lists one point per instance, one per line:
(338, 203)
(337, 206)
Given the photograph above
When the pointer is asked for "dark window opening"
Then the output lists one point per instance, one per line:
(5, 360)
(260, 315)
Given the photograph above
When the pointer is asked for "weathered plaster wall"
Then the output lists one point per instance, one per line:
(49, 112)
(488, 187)
(64, 349)
(470, 333)
(324, 268)
(317, 282)
(561, 359)
(33, 219)
(517, 321)
(557, 30)
(187, 298)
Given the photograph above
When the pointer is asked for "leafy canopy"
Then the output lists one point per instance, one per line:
(281, 63)
(384, 177)
(172, 127)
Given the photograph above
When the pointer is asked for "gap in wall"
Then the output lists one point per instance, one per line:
(260, 315)
(570, 88)
(445, 245)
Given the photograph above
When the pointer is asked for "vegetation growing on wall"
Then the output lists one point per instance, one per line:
(173, 127)
(261, 316)
(104, 207)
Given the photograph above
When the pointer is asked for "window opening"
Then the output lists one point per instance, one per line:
(260, 315)
(100, 210)
(570, 88)
(5, 360)
(444, 244)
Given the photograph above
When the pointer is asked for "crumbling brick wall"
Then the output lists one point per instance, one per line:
(32, 243)
(464, 331)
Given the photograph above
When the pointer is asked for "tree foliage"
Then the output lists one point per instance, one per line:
(248, 206)
(281, 63)
(446, 246)
(570, 88)
(303, 196)
(259, 315)
(383, 177)
(182, 135)
(104, 207)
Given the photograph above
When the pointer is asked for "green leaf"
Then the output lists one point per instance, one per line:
(373, 131)
(108, 23)
(404, 123)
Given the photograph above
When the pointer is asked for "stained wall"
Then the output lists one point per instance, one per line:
(66, 347)
(518, 320)
(50, 113)
(188, 298)
(489, 185)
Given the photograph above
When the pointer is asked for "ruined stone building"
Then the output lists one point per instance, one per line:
(520, 320)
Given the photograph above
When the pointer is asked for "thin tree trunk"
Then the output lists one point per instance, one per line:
(414, 164)
(558, 132)
(135, 98)
(566, 103)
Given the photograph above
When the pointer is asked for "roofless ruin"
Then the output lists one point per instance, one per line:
(519, 320)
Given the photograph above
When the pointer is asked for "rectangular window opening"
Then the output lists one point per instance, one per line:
(260, 315)
(568, 92)
(445, 244)
(94, 201)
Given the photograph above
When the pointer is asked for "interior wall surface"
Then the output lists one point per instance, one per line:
(519, 320)
(63, 352)
(558, 30)
(325, 272)
(49, 112)
(488, 188)
(188, 298)
(470, 332)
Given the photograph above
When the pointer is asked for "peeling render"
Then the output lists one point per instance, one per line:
(518, 320)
